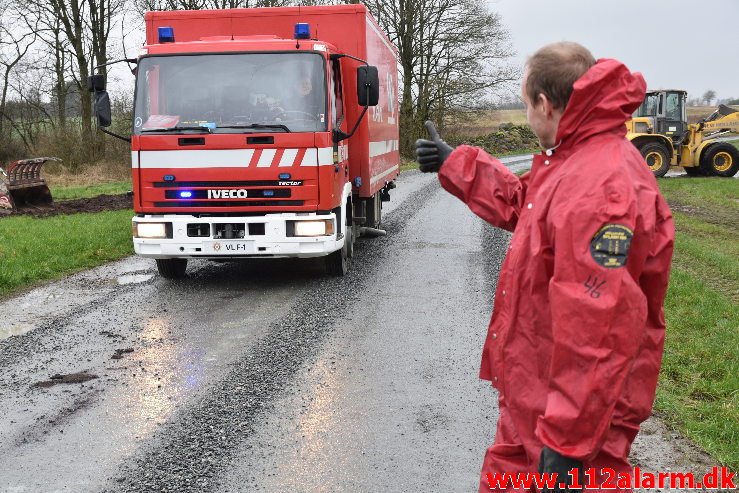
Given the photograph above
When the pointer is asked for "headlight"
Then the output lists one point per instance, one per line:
(151, 230)
(641, 128)
(313, 228)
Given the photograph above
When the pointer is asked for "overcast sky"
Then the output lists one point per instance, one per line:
(675, 44)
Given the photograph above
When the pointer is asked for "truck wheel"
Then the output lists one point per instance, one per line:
(656, 157)
(337, 263)
(172, 268)
(351, 228)
(720, 159)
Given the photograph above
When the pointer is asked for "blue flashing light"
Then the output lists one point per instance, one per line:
(285, 176)
(166, 34)
(168, 178)
(302, 30)
(269, 193)
(185, 195)
(358, 181)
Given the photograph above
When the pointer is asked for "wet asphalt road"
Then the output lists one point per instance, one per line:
(264, 376)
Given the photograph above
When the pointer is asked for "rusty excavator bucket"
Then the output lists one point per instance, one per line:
(22, 186)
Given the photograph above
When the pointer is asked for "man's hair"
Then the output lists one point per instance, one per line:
(553, 69)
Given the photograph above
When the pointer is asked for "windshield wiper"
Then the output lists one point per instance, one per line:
(255, 125)
(178, 129)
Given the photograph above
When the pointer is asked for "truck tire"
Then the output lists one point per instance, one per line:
(720, 159)
(338, 262)
(657, 158)
(172, 268)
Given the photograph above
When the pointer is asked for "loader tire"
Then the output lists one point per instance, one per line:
(172, 268)
(657, 158)
(694, 171)
(720, 159)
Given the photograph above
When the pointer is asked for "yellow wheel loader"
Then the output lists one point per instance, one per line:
(660, 130)
(23, 187)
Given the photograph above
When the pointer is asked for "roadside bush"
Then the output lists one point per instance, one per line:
(67, 143)
(509, 138)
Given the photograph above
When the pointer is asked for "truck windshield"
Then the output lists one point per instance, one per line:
(229, 93)
(648, 107)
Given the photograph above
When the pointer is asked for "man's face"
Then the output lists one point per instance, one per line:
(304, 86)
(540, 116)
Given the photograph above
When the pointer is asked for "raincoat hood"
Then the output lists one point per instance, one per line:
(603, 99)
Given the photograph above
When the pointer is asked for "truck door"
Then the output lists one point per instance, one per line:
(673, 121)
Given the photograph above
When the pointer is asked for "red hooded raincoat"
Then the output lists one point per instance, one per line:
(575, 342)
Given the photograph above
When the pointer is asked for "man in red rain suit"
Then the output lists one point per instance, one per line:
(575, 341)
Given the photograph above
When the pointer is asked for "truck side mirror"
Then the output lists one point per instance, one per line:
(368, 85)
(96, 83)
(102, 109)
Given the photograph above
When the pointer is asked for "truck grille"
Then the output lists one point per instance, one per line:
(250, 194)
(229, 203)
(213, 184)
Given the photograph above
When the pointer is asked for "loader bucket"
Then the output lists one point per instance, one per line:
(23, 187)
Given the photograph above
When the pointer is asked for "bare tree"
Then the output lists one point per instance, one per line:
(451, 53)
(146, 5)
(709, 96)
(15, 43)
(76, 32)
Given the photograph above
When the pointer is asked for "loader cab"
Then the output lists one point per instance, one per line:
(666, 110)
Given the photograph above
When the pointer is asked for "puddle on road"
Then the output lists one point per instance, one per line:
(15, 330)
(134, 278)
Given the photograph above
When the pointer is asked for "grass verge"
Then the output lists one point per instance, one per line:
(699, 383)
(36, 250)
(89, 191)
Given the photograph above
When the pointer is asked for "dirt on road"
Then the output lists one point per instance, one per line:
(95, 204)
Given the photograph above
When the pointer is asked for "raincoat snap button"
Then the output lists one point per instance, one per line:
(549, 152)
(495, 336)
(503, 293)
(546, 163)
(530, 205)
(495, 379)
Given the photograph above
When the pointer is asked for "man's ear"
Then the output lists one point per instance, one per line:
(546, 105)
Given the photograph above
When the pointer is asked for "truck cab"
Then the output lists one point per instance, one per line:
(664, 112)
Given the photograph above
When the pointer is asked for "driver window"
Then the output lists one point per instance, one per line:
(332, 100)
(672, 107)
(339, 96)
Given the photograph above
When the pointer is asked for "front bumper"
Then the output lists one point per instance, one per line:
(269, 240)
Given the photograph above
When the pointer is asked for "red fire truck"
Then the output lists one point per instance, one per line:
(252, 135)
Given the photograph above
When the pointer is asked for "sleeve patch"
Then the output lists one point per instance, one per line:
(610, 245)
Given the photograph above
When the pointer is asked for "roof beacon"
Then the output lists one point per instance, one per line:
(302, 30)
(166, 35)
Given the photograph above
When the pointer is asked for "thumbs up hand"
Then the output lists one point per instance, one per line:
(432, 153)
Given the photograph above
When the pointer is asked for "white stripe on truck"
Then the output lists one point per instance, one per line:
(288, 157)
(383, 147)
(265, 160)
(200, 158)
(229, 158)
(382, 175)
